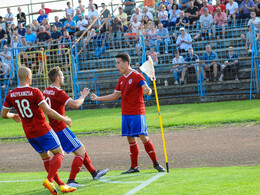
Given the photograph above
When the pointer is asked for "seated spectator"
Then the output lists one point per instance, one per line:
(249, 38)
(15, 44)
(58, 24)
(192, 13)
(69, 10)
(3, 37)
(210, 55)
(184, 41)
(230, 65)
(246, 7)
(15, 34)
(218, 4)
(192, 58)
(21, 29)
(101, 43)
(152, 34)
(142, 38)
(232, 11)
(254, 21)
(43, 36)
(257, 6)
(153, 55)
(105, 18)
(78, 14)
(147, 13)
(30, 36)
(4, 73)
(123, 17)
(150, 5)
(115, 31)
(138, 14)
(70, 25)
(42, 16)
(220, 22)
(198, 3)
(177, 67)
(23, 43)
(183, 4)
(169, 7)
(134, 27)
(21, 17)
(163, 16)
(182, 21)
(46, 24)
(129, 6)
(3, 23)
(174, 13)
(6, 56)
(9, 17)
(35, 26)
(97, 24)
(163, 37)
(56, 35)
(66, 41)
(146, 22)
(163, 2)
(206, 21)
(82, 25)
(208, 6)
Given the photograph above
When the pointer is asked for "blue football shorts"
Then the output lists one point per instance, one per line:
(134, 125)
(69, 142)
(49, 141)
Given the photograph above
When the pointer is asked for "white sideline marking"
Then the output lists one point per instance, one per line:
(145, 183)
(109, 181)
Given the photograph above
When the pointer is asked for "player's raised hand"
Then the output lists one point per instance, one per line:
(68, 121)
(85, 92)
(94, 97)
(17, 118)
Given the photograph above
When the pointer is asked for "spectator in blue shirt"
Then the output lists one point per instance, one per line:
(129, 7)
(101, 43)
(21, 29)
(246, 7)
(162, 37)
(58, 24)
(192, 66)
(183, 4)
(78, 14)
(30, 36)
(210, 55)
(230, 65)
(163, 2)
(42, 16)
(70, 25)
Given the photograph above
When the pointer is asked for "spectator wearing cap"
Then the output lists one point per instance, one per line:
(163, 16)
(123, 17)
(192, 13)
(163, 37)
(82, 25)
(9, 17)
(77, 15)
(246, 7)
(177, 67)
(230, 65)
(206, 21)
(129, 6)
(184, 41)
(42, 16)
(220, 22)
(183, 4)
(116, 30)
(43, 36)
(182, 21)
(146, 12)
(70, 25)
(174, 13)
(232, 11)
(101, 43)
(21, 17)
(58, 24)
(138, 14)
(212, 58)
(150, 4)
(69, 10)
(30, 36)
(3, 37)
(208, 6)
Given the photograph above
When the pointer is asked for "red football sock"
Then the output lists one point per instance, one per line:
(150, 151)
(88, 164)
(46, 166)
(55, 164)
(76, 165)
(134, 152)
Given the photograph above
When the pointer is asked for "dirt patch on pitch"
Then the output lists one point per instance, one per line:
(211, 147)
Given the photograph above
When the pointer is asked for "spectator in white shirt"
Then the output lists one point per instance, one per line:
(184, 41)
(135, 27)
(69, 10)
(147, 13)
(92, 12)
(232, 11)
(177, 66)
(138, 14)
(163, 16)
(82, 25)
(9, 17)
(254, 21)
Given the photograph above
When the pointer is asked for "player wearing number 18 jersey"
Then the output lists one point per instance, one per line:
(31, 106)
(57, 99)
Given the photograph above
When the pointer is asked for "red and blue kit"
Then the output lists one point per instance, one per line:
(26, 101)
(57, 99)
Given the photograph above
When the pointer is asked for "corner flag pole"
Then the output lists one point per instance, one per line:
(148, 69)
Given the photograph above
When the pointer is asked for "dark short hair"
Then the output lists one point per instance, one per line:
(177, 7)
(125, 57)
(53, 73)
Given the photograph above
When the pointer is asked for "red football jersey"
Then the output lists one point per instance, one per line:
(57, 99)
(132, 101)
(26, 101)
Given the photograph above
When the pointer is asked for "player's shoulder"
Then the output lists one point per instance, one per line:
(137, 73)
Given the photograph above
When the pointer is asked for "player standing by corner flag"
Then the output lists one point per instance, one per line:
(57, 99)
(31, 106)
(131, 87)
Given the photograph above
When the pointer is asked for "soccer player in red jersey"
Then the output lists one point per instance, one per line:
(57, 99)
(31, 106)
(131, 87)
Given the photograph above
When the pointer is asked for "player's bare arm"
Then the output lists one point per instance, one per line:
(7, 115)
(147, 90)
(75, 104)
(112, 97)
(53, 114)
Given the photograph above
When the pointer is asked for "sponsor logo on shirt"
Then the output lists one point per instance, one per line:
(130, 81)
(121, 83)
